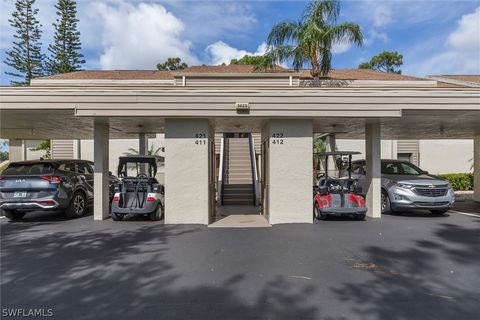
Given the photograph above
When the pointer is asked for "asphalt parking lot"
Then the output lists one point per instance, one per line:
(410, 266)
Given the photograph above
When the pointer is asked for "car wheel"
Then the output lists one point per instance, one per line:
(438, 212)
(116, 217)
(157, 214)
(14, 215)
(385, 203)
(77, 205)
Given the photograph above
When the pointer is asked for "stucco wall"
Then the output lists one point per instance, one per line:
(118, 147)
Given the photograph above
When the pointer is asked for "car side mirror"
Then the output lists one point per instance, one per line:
(110, 173)
(425, 172)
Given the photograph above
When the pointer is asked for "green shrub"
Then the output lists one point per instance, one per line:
(459, 181)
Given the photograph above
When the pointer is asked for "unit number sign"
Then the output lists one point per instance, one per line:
(200, 138)
(277, 138)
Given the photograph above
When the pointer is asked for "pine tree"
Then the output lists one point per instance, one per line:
(65, 55)
(26, 55)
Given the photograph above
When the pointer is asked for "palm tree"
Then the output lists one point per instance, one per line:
(151, 152)
(310, 40)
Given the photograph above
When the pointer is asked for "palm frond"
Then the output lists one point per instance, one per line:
(282, 32)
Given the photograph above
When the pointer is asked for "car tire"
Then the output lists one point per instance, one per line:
(116, 217)
(385, 203)
(77, 206)
(14, 215)
(438, 212)
(157, 214)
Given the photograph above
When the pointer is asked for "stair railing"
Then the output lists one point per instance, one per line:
(253, 158)
(222, 170)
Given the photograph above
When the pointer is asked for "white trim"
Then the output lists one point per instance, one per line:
(455, 81)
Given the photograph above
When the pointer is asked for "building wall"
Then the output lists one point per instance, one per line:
(446, 156)
(118, 147)
(435, 156)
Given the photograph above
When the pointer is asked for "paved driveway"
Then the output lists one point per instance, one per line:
(397, 267)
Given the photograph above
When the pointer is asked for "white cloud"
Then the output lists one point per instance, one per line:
(382, 15)
(140, 36)
(461, 53)
(467, 35)
(220, 52)
(341, 47)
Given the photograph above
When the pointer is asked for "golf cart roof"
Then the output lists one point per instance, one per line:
(338, 153)
(150, 160)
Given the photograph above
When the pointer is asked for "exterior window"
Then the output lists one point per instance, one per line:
(68, 166)
(84, 168)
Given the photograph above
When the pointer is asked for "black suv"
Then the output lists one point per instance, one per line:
(48, 185)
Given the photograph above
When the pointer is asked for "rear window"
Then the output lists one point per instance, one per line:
(28, 169)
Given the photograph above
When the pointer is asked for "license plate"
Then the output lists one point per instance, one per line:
(19, 194)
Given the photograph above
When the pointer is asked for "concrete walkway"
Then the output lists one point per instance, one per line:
(241, 221)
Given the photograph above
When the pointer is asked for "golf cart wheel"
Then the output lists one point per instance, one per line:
(438, 212)
(385, 202)
(157, 214)
(14, 215)
(116, 217)
(360, 217)
(77, 205)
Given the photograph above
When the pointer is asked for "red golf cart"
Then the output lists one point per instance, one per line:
(338, 196)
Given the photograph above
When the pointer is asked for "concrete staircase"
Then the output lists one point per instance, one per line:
(238, 185)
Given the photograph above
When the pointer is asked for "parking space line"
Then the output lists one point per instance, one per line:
(465, 213)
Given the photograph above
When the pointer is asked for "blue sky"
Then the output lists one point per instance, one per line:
(435, 37)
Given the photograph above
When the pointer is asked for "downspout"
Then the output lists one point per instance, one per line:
(254, 169)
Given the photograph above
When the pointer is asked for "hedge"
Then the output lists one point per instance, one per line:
(459, 181)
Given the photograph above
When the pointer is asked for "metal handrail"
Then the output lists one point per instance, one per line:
(222, 168)
(253, 159)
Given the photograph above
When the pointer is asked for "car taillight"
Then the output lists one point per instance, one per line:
(2, 177)
(324, 203)
(150, 199)
(52, 179)
(116, 198)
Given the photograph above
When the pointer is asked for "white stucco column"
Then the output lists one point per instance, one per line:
(15, 150)
(143, 149)
(331, 147)
(290, 169)
(476, 167)
(100, 158)
(373, 168)
(143, 144)
(187, 171)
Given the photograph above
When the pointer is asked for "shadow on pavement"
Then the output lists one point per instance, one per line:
(122, 274)
(416, 283)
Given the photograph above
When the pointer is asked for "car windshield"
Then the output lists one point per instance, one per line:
(400, 167)
(15, 169)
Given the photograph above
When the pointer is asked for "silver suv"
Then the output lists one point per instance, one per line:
(406, 187)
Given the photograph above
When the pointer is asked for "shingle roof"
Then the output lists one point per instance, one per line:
(232, 68)
(337, 74)
(113, 75)
(361, 74)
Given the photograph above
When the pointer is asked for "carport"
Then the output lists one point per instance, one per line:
(189, 110)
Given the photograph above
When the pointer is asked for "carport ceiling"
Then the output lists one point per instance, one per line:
(63, 124)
